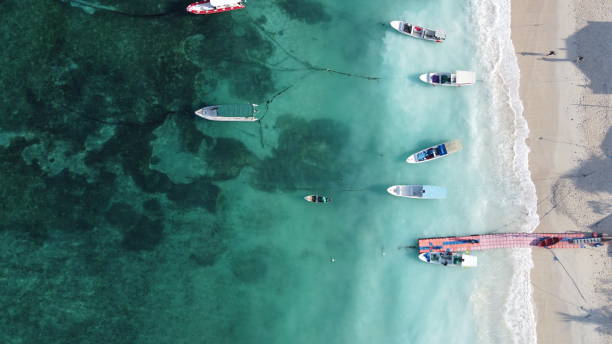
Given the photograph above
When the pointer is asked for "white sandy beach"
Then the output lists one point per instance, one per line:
(568, 105)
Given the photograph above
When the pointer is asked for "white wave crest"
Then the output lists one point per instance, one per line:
(500, 67)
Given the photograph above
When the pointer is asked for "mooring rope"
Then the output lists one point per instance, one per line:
(305, 63)
(101, 8)
(127, 123)
(269, 101)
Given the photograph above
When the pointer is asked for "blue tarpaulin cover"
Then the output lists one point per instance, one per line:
(441, 150)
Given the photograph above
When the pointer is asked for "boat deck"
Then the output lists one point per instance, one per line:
(506, 240)
(194, 10)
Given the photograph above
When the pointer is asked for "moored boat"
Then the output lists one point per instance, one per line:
(229, 113)
(435, 152)
(456, 79)
(449, 258)
(418, 31)
(215, 6)
(547, 241)
(418, 191)
(318, 199)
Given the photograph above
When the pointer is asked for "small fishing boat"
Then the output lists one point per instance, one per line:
(449, 258)
(215, 6)
(418, 191)
(318, 199)
(457, 79)
(229, 113)
(435, 152)
(418, 31)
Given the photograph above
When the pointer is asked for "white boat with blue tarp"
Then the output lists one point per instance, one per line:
(449, 258)
(229, 113)
(435, 152)
(418, 191)
(456, 79)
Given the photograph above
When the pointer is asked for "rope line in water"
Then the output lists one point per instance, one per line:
(330, 190)
(307, 64)
(272, 67)
(127, 123)
(269, 101)
(98, 7)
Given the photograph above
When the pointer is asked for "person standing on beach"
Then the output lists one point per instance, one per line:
(552, 52)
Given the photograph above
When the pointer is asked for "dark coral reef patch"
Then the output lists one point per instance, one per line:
(226, 157)
(88, 248)
(139, 231)
(34, 202)
(200, 193)
(209, 247)
(146, 234)
(308, 154)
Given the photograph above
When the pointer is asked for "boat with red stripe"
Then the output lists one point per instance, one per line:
(215, 6)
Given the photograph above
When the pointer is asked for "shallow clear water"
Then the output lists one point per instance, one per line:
(179, 230)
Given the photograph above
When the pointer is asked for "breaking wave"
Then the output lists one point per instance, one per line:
(502, 75)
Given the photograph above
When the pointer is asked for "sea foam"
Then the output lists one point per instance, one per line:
(502, 75)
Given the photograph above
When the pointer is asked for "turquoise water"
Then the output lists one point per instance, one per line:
(138, 222)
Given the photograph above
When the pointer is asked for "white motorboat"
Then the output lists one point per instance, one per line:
(418, 191)
(449, 258)
(435, 152)
(418, 31)
(229, 113)
(456, 79)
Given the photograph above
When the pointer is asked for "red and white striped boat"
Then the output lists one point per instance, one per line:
(215, 6)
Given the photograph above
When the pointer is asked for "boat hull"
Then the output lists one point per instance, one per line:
(195, 8)
(428, 79)
(418, 191)
(449, 259)
(230, 119)
(399, 25)
(451, 147)
(209, 113)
